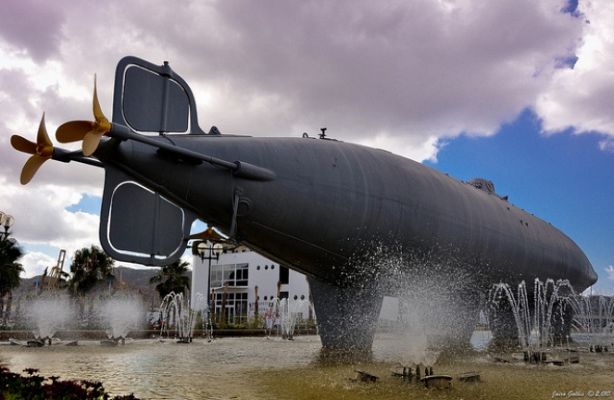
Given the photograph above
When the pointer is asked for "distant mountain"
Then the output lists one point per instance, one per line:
(135, 278)
(132, 279)
(138, 280)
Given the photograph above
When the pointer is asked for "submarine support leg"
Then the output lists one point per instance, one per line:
(346, 316)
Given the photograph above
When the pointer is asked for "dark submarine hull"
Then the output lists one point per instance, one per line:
(330, 198)
(330, 201)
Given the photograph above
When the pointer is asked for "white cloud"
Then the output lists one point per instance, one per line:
(413, 71)
(41, 218)
(423, 150)
(607, 144)
(408, 71)
(610, 271)
(34, 263)
(581, 98)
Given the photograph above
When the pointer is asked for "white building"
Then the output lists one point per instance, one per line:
(242, 277)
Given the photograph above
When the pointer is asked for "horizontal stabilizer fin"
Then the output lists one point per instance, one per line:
(139, 225)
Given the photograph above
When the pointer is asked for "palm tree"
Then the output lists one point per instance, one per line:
(171, 278)
(89, 267)
(10, 270)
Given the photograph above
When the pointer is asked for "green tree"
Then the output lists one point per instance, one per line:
(10, 269)
(172, 278)
(90, 267)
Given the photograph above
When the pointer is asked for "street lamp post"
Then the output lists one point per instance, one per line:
(209, 251)
(6, 221)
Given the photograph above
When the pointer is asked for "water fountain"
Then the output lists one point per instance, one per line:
(533, 321)
(414, 347)
(593, 320)
(286, 314)
(292, 311)
(120, 315)
(201, 306)
(593, 317)
(177, 315)
(47, 314)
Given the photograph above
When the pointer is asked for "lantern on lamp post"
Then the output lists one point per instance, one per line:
(6, 221)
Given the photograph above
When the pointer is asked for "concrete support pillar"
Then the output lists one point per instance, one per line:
(346, 317)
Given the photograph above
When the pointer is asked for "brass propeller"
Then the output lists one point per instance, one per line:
(89, 131)
(41, 151)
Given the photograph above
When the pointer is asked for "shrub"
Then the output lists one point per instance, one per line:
(32, 386)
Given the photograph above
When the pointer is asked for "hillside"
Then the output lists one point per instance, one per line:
(131, 279)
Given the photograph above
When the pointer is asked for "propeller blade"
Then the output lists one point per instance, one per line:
(42, 137)
(22, 144)
(73, 131)
(95, 103)
(98, 114)
(41, 151)
(97, 129)
(89, 131)
(30, 168)
(91, 141)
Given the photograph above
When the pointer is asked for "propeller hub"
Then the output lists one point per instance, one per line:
(41, 151)
(90, 132)
(44, 150)
(103, 126)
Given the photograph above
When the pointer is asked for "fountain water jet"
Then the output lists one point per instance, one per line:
(533, 321)
(176, 313)
(287, 313)
(593, 319)
(555, 304)
(201, 306)
(121, 315)
(49, 313)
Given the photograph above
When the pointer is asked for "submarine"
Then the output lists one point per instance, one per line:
(335, 211)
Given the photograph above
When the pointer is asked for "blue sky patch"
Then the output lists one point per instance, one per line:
(564, 179)
(89, 204)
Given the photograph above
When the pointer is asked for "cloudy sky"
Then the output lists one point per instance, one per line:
(517, 91)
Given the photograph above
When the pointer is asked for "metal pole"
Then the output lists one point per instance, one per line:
(210, 330)
(3, 217)
(212, 254)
